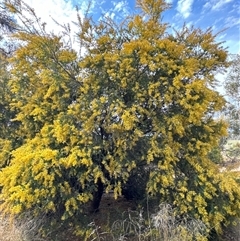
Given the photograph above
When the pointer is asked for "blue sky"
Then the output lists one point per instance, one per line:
(217, 14)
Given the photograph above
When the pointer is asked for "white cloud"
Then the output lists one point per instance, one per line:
(118, 11)
(184, 7)
(59, 10)
(222, 36)
(232, 21)
(233, 46)
(52, 12)
(216, 4)
(207, 5)
(122, 8)
(119, 6)
(110, 15)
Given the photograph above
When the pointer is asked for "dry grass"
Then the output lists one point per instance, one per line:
(25, 229)
(118, 220)
(163, 225)
(9, 231)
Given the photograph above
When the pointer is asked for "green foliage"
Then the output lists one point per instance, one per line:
(138, 96)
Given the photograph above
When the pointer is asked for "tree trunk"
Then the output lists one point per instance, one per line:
(97, 196)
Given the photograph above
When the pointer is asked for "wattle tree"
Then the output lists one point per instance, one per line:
(139, 95)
